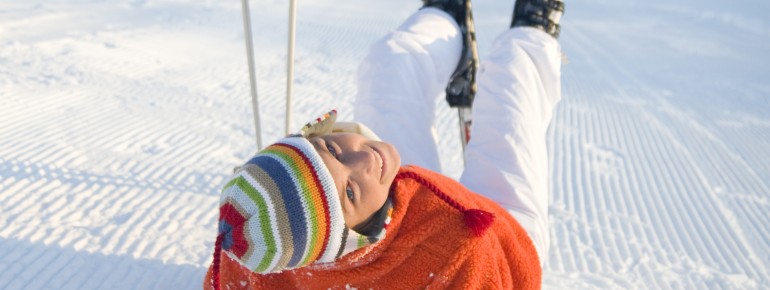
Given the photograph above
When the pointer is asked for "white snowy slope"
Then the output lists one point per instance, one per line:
(120, 121)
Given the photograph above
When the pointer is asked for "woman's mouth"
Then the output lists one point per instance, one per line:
(383, 164)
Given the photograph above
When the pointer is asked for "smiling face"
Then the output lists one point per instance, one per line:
(362, 170)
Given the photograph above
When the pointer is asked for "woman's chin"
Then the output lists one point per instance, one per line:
(393, 162)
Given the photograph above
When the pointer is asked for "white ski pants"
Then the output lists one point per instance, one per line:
(519, 86)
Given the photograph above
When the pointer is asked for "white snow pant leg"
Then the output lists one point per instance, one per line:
(400, 79)
(506, 159)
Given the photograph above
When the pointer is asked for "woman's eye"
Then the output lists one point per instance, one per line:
(332, 151)
(349, 192)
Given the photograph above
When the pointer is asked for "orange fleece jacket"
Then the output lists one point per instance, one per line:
(428, 245)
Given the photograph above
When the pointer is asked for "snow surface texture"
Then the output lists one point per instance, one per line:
(120, 121)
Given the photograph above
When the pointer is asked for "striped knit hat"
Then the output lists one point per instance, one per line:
(281, 211)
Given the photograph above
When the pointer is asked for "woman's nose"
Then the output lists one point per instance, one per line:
(362, 161)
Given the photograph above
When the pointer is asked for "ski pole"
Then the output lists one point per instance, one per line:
(461, 89)
(252, 71)
(290, 61)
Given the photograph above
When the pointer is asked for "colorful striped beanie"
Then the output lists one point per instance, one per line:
(281, 211)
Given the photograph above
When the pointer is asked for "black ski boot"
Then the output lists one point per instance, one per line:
(461, 88)
(541, 14)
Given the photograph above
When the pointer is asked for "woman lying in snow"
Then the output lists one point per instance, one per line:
(332, 207)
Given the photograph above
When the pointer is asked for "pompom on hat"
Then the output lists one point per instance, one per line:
(281, 210)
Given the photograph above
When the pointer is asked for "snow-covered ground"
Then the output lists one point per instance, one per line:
(120, 120)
